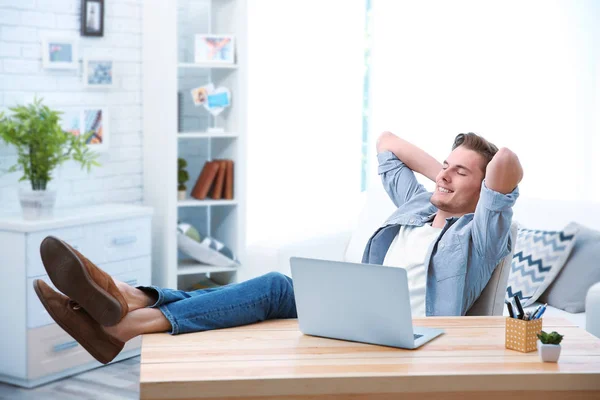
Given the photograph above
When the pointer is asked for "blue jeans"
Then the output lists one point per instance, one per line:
(270, 296)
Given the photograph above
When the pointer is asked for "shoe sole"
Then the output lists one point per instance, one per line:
(81, 340)
(70, 276)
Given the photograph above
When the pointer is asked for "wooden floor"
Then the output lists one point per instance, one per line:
(113, 382)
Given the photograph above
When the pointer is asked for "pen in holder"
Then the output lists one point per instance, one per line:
(521, 335)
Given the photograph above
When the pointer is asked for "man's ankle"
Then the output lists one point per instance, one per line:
(145, 297)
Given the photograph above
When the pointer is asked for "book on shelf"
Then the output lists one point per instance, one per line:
(217, 190)
(228, 195)
(215, 181)
(205, 180)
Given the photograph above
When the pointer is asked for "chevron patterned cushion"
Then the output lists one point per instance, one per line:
(537, 259)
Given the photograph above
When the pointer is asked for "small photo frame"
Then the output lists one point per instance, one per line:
(98, 73)
(220, 98)
(92, 17)
(80, 121)
(201, 93)
(60, 52)
(214, 48)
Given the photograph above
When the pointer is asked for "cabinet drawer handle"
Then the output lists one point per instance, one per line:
(131, 282)
(65, 346)
(123, 240)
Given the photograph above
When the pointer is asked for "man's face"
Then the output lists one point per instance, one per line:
(459, 182)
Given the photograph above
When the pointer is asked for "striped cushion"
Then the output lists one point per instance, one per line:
(537, 260)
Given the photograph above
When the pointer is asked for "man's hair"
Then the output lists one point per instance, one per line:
(478, 144)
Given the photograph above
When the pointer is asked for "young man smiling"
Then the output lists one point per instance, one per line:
(449, 241)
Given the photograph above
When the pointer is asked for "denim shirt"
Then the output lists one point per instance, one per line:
(460, 262)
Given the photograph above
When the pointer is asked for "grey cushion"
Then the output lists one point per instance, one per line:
(579, 273)
(491, 300)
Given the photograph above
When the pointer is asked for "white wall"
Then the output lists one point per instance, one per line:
(22, 22)
(524, 74)
(304, 116)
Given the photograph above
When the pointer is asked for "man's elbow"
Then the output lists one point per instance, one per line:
(504, 172)
(510, 161)
(383, 141)
(506, 155)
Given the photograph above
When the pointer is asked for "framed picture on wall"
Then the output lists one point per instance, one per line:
(60, 52)
(92, 121)
(92, 17)
(98, 73)
(214, 49)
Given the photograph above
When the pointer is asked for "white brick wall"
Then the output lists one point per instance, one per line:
(22, 24)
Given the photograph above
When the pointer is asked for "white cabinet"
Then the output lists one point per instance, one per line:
(33, 349)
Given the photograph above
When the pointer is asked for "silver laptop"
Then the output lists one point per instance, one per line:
(357, 302)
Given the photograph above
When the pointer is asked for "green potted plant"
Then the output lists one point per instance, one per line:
(182, 178)
(549, 348)
(42, 145)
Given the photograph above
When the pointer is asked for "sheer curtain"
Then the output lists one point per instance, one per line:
(304, 123)
(523, 74)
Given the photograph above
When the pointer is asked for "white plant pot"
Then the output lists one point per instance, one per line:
(549, 352)
(37, 204)
(181, 195)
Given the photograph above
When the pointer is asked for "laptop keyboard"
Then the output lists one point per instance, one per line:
(417, 336)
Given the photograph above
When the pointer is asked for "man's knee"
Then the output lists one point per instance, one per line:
(278, 281)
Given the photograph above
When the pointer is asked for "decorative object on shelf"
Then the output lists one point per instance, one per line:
(214, 48)
(98, 73)
(92, 17)
(42, 145)
(214, 100)
(93, 120)
(200, 94)
(549, 349)
(182, 178)
(60, 52)
(217, 101)
(215, 180)
(204, 249)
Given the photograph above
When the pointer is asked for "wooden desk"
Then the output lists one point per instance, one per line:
(274, 359)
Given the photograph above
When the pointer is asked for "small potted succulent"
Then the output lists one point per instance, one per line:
(549, 348)
(182, 178)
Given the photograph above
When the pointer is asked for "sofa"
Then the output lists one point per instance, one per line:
(375, 206)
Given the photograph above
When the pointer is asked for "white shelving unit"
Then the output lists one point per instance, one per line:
(174, 128)
(204, 135)
(207, 65)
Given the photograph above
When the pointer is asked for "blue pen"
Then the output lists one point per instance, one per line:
(541, 312)
(538, 308)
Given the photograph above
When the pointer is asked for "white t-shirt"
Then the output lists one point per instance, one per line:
(408, 251)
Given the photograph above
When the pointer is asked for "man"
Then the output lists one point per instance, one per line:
(449, 241)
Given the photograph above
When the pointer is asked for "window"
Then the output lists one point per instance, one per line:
(366, 144)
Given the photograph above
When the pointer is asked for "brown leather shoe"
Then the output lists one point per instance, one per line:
(77, 323)
(83, 282)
